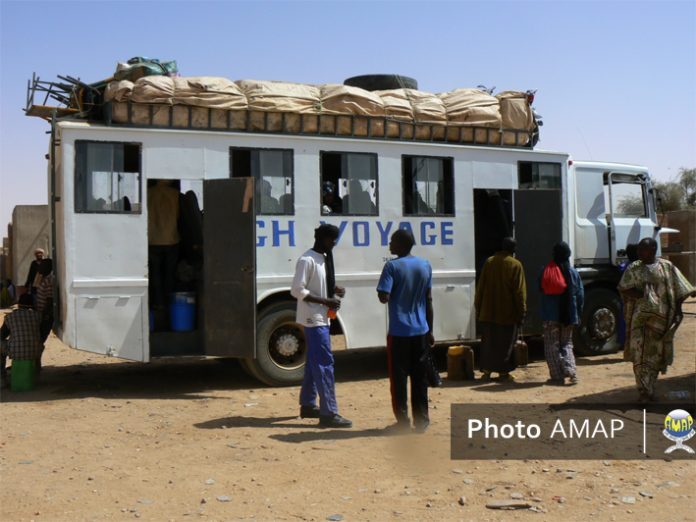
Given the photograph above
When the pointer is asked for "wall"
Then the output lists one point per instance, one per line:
(30, 230)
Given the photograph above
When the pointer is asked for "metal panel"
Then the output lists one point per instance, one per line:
(229, 275)
(538, 226)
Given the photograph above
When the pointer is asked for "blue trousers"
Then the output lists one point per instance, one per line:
(319, 372)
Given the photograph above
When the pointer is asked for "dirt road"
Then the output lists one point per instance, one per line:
(101, 439)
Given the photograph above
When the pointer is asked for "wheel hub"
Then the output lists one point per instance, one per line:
(603, 324)
(287, 345)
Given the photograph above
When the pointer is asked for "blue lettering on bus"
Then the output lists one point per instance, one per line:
(427, 233)
(357, 239)
(277, 232)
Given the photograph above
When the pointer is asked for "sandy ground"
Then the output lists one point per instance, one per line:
(192, 439)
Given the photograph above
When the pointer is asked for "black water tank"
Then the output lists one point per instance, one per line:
(382, 82)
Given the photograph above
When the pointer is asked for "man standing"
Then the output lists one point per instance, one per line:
(653, 291)
(501, 305)
(405, 284)
(314, 287)
(33, 277)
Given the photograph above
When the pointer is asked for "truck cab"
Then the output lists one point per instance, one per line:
(613, 206)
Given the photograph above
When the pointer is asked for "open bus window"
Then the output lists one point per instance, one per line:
(627, 196)
(272, 171)
(537, 175)
(349, 183)
(107, 177)
(428, 185)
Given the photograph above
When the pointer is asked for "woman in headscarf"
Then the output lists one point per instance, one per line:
(562, 297)
(653, 290)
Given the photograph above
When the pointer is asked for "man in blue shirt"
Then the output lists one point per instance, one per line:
(405, 284)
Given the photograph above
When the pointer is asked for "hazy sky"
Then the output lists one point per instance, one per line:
(616, 80)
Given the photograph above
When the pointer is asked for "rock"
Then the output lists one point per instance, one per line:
(645, 494)
(204, 501)
(145, 501)
(488, 490)
(462, 500)
(559, 499)
(508, 504)
(335, 518)
(606, 463)
(545, 470)
(668, 484)
(378, 491)
(614, 490)
(428, 504)
(346, 498)
(457, 471)
(468, 481)
(628, 500)
(209, 482)
(516, 496)
(223, 498)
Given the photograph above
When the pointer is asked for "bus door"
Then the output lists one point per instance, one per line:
(538, 223)
(628, 215)
(229, 267)
(108, 258)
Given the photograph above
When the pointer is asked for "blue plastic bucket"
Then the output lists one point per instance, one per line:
(182, 312)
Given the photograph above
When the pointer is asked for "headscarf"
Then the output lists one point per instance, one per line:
(561, 256)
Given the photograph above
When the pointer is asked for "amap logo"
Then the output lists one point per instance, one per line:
(679, 427)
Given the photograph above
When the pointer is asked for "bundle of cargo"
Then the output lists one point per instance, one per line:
(460, 116)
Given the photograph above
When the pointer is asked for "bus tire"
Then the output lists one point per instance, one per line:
(597, 333)
(281, 350)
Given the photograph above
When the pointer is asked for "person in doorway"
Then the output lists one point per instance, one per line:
(405, 285)
(562, 299)
(314, 287)
(33, 277)
(653, 291)
(19, 335)
(501, 306)
(163, 244)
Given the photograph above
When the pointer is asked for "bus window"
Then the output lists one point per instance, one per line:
(349, 183)
(627, 196)
(537, 175)
(272, 170)
(107, 177)
(428, 185)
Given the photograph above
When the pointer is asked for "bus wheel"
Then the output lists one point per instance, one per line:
(598, 332)
(281, 350)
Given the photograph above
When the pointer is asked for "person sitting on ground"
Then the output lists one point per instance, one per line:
(20, 335)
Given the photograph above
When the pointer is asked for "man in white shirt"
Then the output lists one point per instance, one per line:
(314, 287)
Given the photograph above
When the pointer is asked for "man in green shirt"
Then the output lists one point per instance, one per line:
(501, 305)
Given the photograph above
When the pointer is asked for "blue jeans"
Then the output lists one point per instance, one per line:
(319, 372)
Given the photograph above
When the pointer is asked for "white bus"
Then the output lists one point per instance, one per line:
(261, 197)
